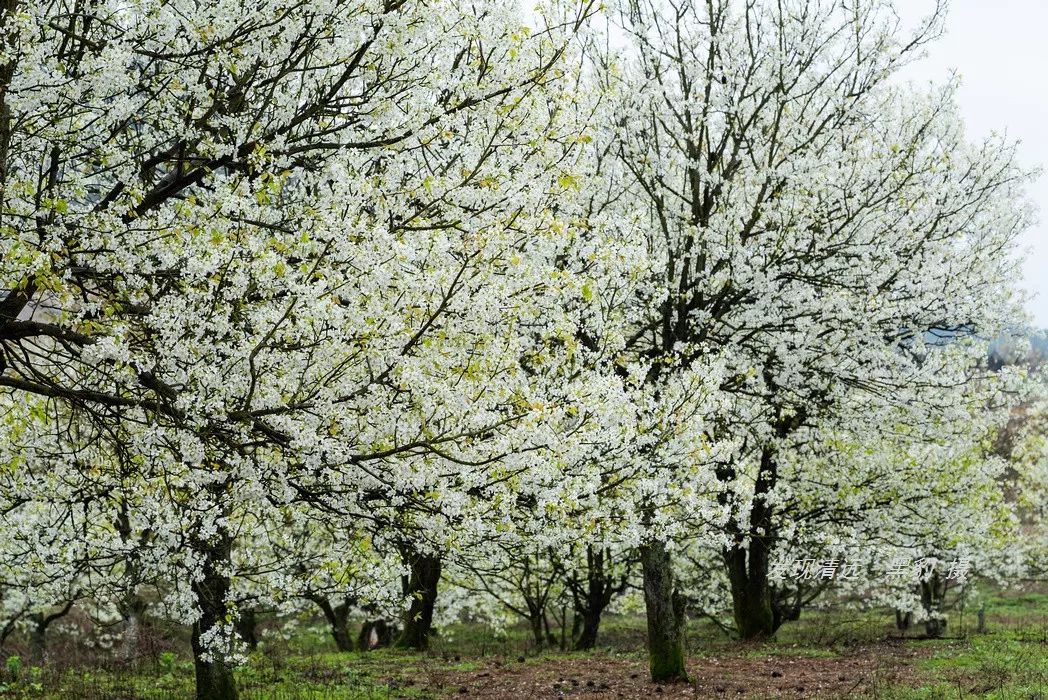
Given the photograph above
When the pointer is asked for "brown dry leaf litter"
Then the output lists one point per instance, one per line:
(856, 671)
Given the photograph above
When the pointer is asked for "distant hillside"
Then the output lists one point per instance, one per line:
(1012, 350)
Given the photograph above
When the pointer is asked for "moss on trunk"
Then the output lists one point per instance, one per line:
(665, 613)
(422, 587)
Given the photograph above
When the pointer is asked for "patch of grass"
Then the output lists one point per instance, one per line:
(982, 666)
(796, 651)
(378, 675)
(1028, 602)
(932, 691)
(830, 628)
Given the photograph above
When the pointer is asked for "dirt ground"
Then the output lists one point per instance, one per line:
(854, 672)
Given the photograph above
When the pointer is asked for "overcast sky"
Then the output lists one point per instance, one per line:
(1000, 51)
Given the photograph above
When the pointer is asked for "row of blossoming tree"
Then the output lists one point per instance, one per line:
(340, 305)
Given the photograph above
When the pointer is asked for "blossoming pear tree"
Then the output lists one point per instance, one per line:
(816, 226)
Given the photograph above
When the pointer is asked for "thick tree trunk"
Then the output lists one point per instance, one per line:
(903, 620)
(214, 677)
(665, 612)
(755, 616)
(750, 593)
(132, 609)
(535, 622)
(422, 587)
(38, 639)
(337, 617)
(587, 638)
(933, 597)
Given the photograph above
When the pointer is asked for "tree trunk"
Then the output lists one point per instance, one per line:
(576, 624)
(129, 639)
(665, 613)
(247, 627)
(755, 616)
(563, 621)
(214, 677)
(338, 619)
(903, 620)
(750, 594)
(7, 71)
(587, 638)
(535, 622)
(550, 639)
(38, 638)
(38, 634)
(422, 587)
(375, 634)
(590, 605)
(933, 597)
(132, 609)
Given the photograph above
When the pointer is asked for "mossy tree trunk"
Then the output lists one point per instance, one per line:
(933, 599)
(132, 611)
(665, 612)
(214, 677)
(747, 561)
(422, 589)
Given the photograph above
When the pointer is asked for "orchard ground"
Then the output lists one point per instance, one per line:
(827, 654)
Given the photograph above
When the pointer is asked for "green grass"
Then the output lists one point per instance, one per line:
(376, 675)
(1009, 662)
(779, 650)
(993, 666)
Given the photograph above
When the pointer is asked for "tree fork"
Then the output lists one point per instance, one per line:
(337, 617)
(591, 603)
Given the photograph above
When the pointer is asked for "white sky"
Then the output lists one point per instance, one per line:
(1000, 50)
